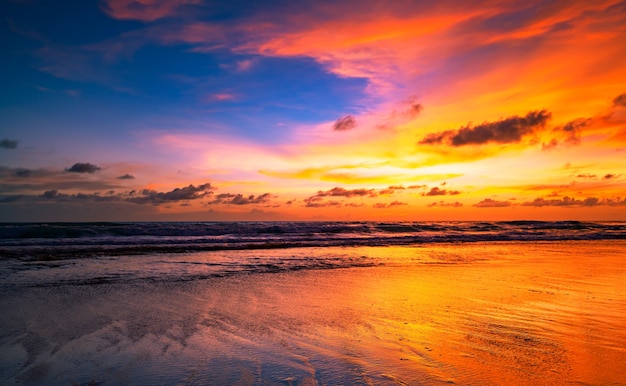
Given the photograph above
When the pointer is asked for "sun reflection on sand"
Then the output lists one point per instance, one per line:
(484, 313)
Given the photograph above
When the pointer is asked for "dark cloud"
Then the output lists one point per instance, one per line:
(316, 200)
(381, 205)
(80, 167)
(611, 176)
(7, 174)
(179, 196)
(38, 180)
(8, 144)
(571, 132)
(570, 201)
(445, 204)
(614, 202)
(126, 177)
(23, 173)
(587, 175)
(437, 138)
(436, 191)
(342, 192)
(489, 203)
(508, 130)
(240, 199)
(8, 199)
(565, 201)
(620, 100)
(54, 195)
(321, 204)
(346, 123)
(153, 197)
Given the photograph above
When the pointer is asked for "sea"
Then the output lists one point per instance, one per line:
(313, 303)
(51, 254)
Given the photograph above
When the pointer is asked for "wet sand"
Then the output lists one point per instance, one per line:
(470, 314)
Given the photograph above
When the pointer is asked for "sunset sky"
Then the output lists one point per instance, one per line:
(312, 110)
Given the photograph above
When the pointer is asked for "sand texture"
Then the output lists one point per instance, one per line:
(549, 313)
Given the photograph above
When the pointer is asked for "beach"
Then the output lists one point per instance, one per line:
(542, 313)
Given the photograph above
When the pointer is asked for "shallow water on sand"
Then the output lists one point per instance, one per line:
(486, 313)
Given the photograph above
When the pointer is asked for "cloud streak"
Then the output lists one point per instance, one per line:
(319, 199)
(547, 201)
(436, 191)
(508, 130)
(240, 199)
(491, 203)
(144, 10)
(383, 205)
(444, 204)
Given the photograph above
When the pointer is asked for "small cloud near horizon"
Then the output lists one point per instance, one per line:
(8, 144)
(382, 205)
(455, 204)
(436, 191)
(491, 203)
(80, 167)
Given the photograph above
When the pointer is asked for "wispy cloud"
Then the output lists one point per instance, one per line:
(566, 201)
(384, 205)
(444, 204)
(569, 133)
(240, 199)
(144, 10)
(436, 191)
(491, 203)
(314, 202)
(548, 201)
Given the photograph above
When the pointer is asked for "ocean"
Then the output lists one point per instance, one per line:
(313, 303)
(104, 252)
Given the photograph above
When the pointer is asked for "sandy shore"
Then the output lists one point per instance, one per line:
(499, 313)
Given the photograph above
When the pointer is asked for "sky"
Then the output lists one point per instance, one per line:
(206, 110)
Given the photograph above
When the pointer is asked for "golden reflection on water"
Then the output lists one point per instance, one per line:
(469, 314)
